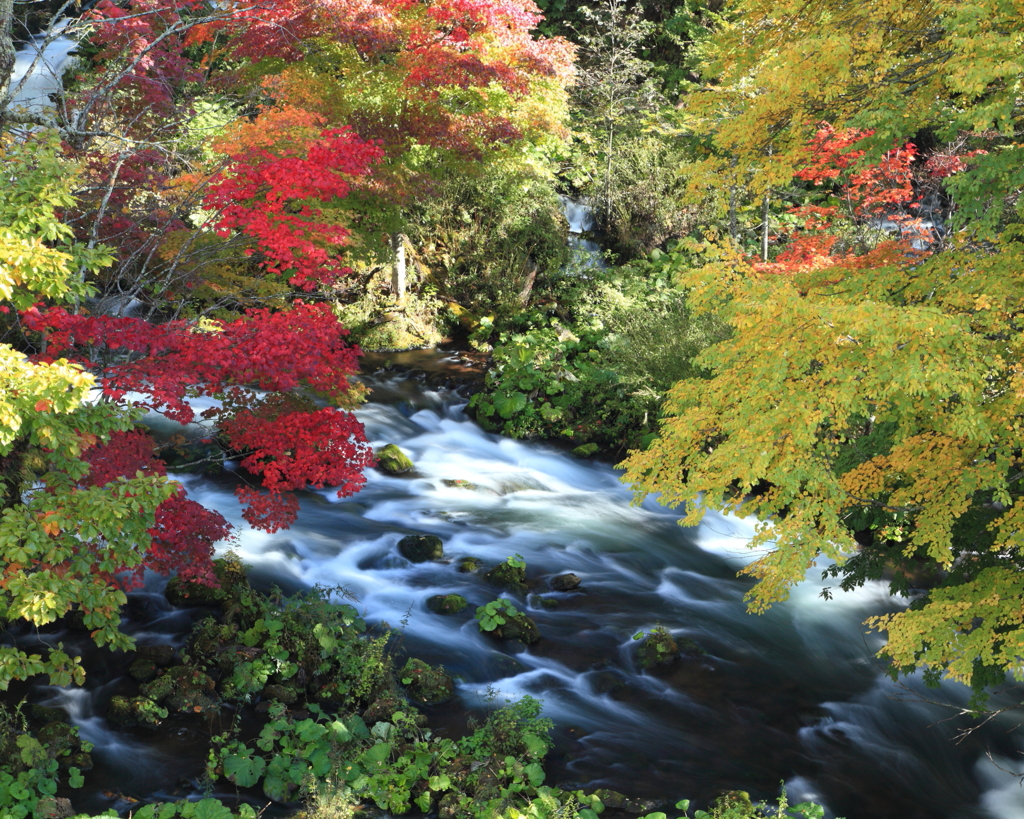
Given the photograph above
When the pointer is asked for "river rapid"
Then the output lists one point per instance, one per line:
(793, 696)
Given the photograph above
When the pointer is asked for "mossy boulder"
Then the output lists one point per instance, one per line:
(565, 582)
(625, 804)
(381, 709)
(446, 603)
(458, 483)
(421, 548)
(690, 648)
(470, 565)
(392, 460)
(134, 712)
(281, 693)
(508, 575)
(518, 627)
(59, 738)
(160, 655)
(657, 648)
(182, 688)
(232, 580)
(82, 761)
(45, 714)
(142, 670)
(426, 683)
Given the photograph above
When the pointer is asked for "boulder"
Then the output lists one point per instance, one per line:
(518, 627)
(392, 460)
(657, 648)
(142, 670)
(134, 712)
(159, 654)
(281, 693)
(565, 582)
(470, 565)
(508, 576)
(426, 683)
(421, 548)
(446, 603)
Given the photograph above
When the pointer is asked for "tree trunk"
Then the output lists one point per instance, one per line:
(398, 271)
(7, 51)
(764, 229)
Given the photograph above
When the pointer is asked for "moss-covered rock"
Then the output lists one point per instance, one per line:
(45, 714)
(657, 648)
(392, 460)
(182, 688)
(160, 655)
(230, 574)
(134, 712)
(565, 582)
(509, 575)
(470, 565)
(281, 693)
(82, 761)
(381, 709)
(690, 648)
(142, 670)
(421, 548)
(426, 683)
(446, 603)
(60, 738)
(541, 602)
(458, 483)
(518, 627)
(625, 804)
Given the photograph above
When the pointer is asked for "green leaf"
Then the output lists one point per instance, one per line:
(243, 769)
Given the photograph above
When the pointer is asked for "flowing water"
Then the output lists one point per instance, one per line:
(795, 695)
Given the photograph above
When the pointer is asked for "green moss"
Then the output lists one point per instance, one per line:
(421, 548)
(470, 565)
(426, 683)
(392, 460)
(657, 648)
(509, 575)
(446, 603)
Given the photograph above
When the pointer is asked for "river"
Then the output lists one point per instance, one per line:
(793, 696)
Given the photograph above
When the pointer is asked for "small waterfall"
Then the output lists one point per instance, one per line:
(46, 61)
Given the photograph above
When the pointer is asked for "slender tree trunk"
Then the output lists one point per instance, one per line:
(398, 271)
(764, 229)
(7, 51)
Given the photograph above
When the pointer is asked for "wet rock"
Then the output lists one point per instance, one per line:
(82, 761)
(657, 648)
(470, 565)
(460, 484)
(55, 807)
(381, 709)
(565, 582)
(60, 738)
(231, 576)
(45, 714)
(446, 603)
(621, 802)
(281, 693)
(142, 670)
(518, 627)
(540, 602)
(159, 654)
(392, 460)
(426, 683)
(690, 648)
(134, 712)
(182, 688)
(421, 548)
(209, 641)
(508, 575)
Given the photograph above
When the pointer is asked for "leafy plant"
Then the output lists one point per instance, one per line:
(494, 614)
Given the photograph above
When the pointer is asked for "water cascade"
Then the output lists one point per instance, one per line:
(793, 695)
